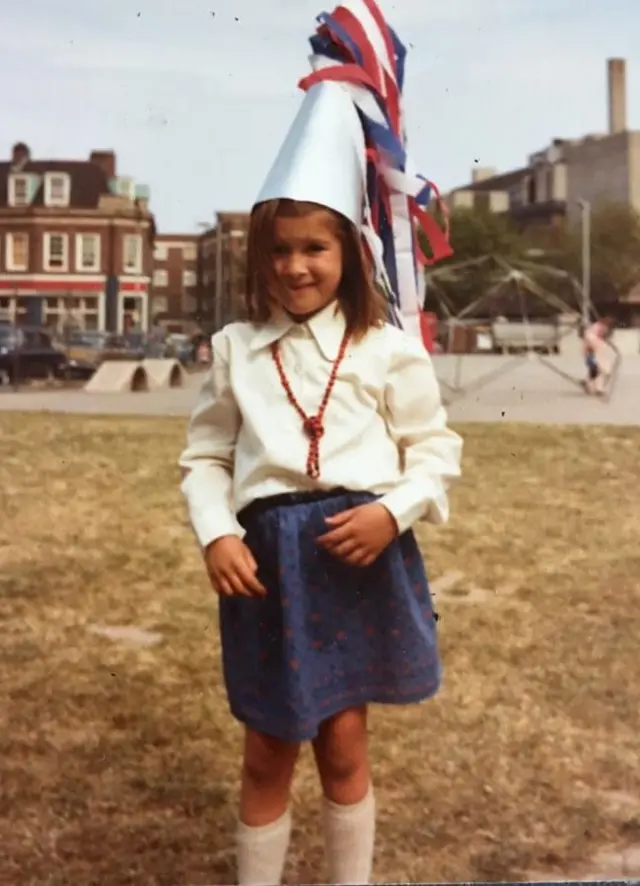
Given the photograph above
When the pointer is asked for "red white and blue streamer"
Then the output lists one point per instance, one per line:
(354, 46)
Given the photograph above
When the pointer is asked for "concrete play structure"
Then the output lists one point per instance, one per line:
(133, 376)
(164, 374)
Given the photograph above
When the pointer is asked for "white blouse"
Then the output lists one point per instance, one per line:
(385, 427)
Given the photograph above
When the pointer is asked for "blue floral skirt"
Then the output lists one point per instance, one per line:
(328, 636)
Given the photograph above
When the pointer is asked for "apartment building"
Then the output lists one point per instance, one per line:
(175, 281)
(76, 243)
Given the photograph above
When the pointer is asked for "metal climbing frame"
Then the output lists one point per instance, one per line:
(520, 277)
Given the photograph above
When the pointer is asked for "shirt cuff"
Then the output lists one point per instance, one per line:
(210, 517)
(213, 523)
(414, 501)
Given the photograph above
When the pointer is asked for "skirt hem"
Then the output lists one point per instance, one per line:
(355, 701)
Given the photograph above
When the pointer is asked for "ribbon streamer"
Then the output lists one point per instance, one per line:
(354, 46)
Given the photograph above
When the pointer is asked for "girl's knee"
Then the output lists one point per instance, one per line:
(341, 746)
(268, 759)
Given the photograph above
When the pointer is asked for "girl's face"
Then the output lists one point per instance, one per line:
(307, 260)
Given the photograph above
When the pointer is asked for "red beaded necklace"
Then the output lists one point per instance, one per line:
(312, 425)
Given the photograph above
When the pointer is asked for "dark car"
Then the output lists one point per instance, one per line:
(139, 345)
(91, 348)
(181, 346)
(28, 352)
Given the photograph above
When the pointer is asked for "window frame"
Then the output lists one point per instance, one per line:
(80, 238)
(13, 179)
(190, 274)
(164, 282)
(136, 268)
(49, 198)
(46, 263)
(10, 261)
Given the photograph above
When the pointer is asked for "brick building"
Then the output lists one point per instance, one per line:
(598, 168)
(187, 293)
(175, 282)
(76, 242)
(221, 295)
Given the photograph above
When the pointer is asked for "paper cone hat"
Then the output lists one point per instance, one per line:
(346, 150)
(322, 159)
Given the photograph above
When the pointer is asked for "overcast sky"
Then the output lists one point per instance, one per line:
(196, 95)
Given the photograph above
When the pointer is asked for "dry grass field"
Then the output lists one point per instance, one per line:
(119, 760)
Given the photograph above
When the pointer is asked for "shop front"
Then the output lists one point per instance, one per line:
(120, 306)
(57, 312)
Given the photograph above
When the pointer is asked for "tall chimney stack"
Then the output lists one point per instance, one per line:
(106, 160)
(617, 78)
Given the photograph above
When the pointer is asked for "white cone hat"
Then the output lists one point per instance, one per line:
(322, 159)
(347, 150)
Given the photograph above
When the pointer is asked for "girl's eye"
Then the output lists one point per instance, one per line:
(280, 250)
(316, 247)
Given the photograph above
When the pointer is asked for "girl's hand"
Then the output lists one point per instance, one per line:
(358, 536)
(232, 569)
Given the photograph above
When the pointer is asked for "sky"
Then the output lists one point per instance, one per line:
(195, 96)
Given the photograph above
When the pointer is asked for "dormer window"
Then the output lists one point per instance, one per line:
(57, 189)
(19, 190)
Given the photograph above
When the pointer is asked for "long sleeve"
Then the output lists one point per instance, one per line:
(209, 457)
(417, 421)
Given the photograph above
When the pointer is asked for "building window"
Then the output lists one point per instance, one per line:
(55, 252)
(88, 252)
(160, 252)
(160, 277)
(68, 314)
(19, 190)
(189, 252)
(132, 254)
(190, 304)
(159, 304)
(17, 252)
(57, 189)
(189, 278)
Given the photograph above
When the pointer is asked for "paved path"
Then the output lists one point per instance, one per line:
(528, 392)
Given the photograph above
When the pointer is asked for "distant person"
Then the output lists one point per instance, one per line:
(594, 339)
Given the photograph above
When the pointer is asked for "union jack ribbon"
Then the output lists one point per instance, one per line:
(354, 46)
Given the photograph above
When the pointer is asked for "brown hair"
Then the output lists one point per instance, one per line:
(362, 303)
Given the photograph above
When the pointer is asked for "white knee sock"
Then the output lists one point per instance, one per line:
(349, 833)
(261, 852)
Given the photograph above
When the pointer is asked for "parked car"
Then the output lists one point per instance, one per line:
(146, 344)
(28, 352)
(181, 347)
(87, 350)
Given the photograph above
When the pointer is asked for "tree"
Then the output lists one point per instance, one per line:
(475, 234)
(479, 232)
(615, 253)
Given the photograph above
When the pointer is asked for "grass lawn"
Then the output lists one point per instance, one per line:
(119, 761)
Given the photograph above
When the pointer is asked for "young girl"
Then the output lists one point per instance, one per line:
(598, 370)
(318, 441)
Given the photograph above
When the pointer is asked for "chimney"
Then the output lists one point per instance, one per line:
(106, 160)
(20, 154)
(617, 80)
(482, 173)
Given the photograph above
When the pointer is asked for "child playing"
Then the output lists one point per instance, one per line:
(318, 441)
(598, 370)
